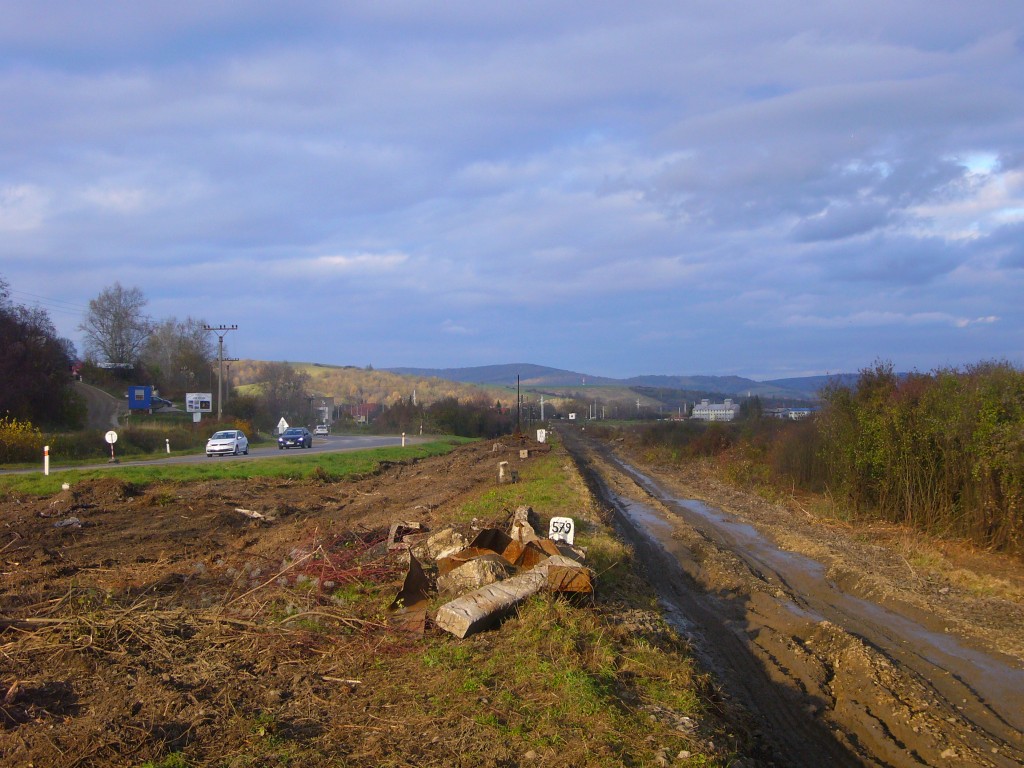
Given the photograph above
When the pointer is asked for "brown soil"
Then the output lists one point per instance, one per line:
(132, 621)
(896, 649)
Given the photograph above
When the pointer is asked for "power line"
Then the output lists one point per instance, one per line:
(58, 305)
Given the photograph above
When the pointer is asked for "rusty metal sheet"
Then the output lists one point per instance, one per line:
(563, 578)
(409, 609)
(531, 555)
(492, 539)
(549, 546)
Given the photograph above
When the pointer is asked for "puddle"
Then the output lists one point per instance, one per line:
(996, 684)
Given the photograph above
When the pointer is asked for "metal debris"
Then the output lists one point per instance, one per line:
(409, 609)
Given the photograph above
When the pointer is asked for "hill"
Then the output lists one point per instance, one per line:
(539, 377)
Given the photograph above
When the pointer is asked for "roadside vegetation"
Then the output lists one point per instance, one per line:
(941, 452)
(323, 467)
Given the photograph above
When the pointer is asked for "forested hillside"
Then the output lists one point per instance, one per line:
(350, 384)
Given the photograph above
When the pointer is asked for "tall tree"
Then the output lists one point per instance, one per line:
(35, 367)
(115, 328)
(284, 391)
(177, 352)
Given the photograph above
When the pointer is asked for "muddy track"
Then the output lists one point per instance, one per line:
(828, 677)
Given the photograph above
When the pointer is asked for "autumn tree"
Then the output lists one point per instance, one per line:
(35, 367)
(284, 391)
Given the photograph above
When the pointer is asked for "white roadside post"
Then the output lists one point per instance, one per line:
(403, 439)
(46, 459)
(168, 441)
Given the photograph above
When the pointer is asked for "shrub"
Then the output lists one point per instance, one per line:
(20, 441)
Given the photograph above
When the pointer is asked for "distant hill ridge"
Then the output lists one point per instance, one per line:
(530, 375)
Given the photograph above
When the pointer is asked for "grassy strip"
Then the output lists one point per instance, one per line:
(321, 466)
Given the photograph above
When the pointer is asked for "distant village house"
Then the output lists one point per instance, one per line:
(708, 411)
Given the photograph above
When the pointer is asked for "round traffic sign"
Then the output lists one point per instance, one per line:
(111, 437)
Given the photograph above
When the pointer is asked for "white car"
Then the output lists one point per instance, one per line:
(227, 441)
(321, 429)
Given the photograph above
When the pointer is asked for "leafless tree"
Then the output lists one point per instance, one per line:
(177, 351)
(115, 328)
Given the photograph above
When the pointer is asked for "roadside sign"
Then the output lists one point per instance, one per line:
(199, 402)
(562, 529)
(140, 398)
(282, 425)
(542, 435)
(111, 437)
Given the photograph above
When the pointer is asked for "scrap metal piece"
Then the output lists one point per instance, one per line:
(532, 554)
(409, 609)
(566, 575)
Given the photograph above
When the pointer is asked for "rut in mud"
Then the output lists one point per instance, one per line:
(831, 677)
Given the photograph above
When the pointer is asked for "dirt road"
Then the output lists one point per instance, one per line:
(844, 659)
(103, 409)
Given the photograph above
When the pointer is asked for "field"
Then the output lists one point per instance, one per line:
(244, 622)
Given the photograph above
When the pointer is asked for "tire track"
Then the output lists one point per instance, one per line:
(833, 679)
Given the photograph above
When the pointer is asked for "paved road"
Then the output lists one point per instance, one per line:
(330, 444)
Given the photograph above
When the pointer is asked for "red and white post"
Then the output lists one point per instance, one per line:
(46, 459)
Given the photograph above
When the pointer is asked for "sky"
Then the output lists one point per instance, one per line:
(718, 187)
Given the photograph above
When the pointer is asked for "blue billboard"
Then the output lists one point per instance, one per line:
(140, 398)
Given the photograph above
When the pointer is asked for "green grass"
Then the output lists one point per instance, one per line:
(173, 760)
(324, 466)
(542, 485)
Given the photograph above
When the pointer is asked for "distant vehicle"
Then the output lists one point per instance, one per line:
(295, 437)
(227, 441)
(321, 429)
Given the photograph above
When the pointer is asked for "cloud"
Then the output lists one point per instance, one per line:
(640, 187)
(882, 319)
(22, 207)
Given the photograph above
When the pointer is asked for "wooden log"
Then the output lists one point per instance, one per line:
(487, 606)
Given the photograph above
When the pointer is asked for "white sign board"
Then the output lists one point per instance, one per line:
(199, 402)
(111, 437)
(572, 417)
(282, 425)
(562, 529)
(542, 435)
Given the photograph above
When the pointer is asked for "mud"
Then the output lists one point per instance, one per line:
(843, 659)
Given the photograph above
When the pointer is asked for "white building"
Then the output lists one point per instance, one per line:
(708, 411)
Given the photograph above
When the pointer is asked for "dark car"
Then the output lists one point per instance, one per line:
(295, 437)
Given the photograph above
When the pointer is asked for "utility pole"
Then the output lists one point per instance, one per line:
(221, 331)
(542, 407)
(519, 409)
